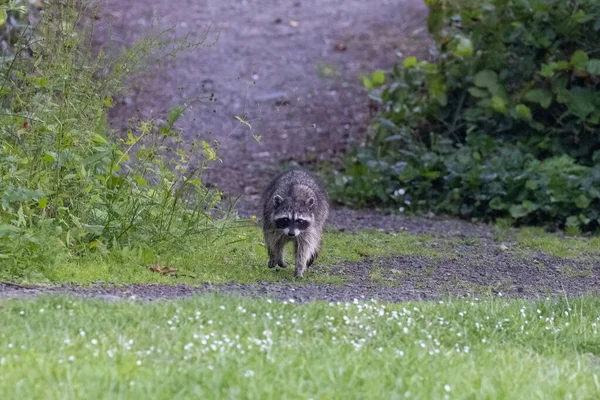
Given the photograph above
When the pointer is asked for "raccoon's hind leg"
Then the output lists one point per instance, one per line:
(276, 246)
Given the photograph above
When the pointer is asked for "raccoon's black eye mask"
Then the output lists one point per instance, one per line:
(282, 222)
(285, 222)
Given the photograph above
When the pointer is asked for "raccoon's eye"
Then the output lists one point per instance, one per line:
(301, 223)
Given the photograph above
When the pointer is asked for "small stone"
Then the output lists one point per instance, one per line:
(109, 297)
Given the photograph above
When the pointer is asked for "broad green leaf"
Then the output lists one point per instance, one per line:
(582, 201)
(438, 89)
(464, 48)
(3, 16)
(479, 93)
(497, 204)
(409, 62)
(378, 78)
(542, 97)
(366, 81)
(43, 202)
(498, 104)
(523, 111)
(529, 206)
(581, 101)
(517, 211)
(593, 66)
(579, 60)
(572, 221)
(486, 79)
(140, 180)
(531, 184)
(547, 70)
(581, 17)
(428, 67)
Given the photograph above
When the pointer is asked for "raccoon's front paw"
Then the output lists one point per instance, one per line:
(283, 264)
(272, 264)
(298, 273)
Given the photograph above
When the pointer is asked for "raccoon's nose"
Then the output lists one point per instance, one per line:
(293, 232)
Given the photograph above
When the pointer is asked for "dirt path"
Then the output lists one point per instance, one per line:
(305, 57)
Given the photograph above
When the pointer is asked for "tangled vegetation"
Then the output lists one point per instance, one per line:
(68, 183)
(503, 124)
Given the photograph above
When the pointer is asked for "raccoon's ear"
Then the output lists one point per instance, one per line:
(277, 200)
(310, 202)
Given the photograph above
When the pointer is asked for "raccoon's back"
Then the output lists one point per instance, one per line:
(284, 183)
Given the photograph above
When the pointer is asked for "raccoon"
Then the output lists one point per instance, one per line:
(295, 207)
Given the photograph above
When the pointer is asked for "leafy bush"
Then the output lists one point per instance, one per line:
(504, 123)
(67, 183)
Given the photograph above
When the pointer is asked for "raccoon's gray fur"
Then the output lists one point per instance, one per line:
(295, 207)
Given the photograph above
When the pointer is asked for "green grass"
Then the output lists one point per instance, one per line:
(237, 255)
(224, 347)
(531, 239)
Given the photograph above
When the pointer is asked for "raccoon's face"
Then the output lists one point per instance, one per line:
(293, 218)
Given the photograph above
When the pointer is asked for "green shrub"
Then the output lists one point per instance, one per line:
(67, 182)
(504, 123)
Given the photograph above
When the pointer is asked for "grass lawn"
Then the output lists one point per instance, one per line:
(225, 347)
